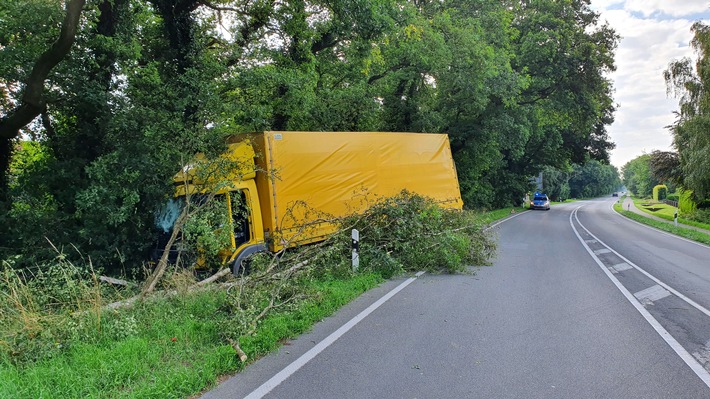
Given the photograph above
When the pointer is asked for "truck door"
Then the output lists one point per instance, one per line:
(240, 218)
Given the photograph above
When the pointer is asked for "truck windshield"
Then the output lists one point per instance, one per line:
(165, 219)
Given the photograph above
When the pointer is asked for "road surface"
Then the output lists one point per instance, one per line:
(580, 303)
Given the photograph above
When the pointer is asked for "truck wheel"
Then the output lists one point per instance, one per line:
(240, 265)
(242, 268)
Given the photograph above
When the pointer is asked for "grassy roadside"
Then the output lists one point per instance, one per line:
(667, 227)
(172, 347)
(666, 212)
(492, 216)
(498, 214)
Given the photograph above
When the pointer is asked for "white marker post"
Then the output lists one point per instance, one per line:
(356, 249)
(675, 218)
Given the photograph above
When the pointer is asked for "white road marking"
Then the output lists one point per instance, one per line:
(659, 230)
(503, 221)
(651, 294)
(601, 251)
(282, 375)
(697, 368)
(644, 272)
(703, 355)
(620, 267)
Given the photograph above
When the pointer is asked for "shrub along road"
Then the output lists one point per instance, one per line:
(555, 317)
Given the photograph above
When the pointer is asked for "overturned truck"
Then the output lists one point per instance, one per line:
(285, 189)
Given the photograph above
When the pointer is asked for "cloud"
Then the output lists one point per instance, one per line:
(653, 33)
(673, 8)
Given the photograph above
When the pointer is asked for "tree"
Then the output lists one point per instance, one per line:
(147, 83)
(593, 179)
(691, 130)
(637, 176)
(33, 101)
(556, 183)
(665, 167)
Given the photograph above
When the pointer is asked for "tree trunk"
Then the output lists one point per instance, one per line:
(32, 102)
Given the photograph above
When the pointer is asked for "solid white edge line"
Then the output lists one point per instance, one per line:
(503, 221)
(647, 274)
(282, 375)
(659, 230)
(675, 345)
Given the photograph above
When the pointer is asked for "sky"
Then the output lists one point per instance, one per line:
(653, 33)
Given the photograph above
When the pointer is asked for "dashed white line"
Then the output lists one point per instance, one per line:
(651, 294)
(644, 272)
(620, 267)
(691, 361)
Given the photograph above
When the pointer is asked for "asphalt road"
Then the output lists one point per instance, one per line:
(580, 303)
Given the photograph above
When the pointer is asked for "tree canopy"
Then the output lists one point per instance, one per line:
(691, 130)
(124, 91)
(637, 176)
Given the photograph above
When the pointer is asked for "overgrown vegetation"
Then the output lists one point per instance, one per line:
(145, 84)
(63, 335)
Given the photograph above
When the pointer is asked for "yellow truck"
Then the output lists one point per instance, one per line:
(290, 186)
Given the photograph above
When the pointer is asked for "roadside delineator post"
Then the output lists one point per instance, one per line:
(675, 218)
(356, 249)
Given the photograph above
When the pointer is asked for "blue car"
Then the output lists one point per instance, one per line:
(540, 201)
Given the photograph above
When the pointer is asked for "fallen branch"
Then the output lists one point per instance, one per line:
(194, 287)
(115, 281)
(240, 352)
(212, 278)
(163, 263)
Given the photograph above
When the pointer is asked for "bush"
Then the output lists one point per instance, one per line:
(686, 203)
(408, 232)
(659, 192)
(673, 197)
(699, 215)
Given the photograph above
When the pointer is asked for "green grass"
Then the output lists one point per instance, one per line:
(657, 209)
(667, 227)
(498, 214)
(666, 212)
(163, 348)
(175, 351)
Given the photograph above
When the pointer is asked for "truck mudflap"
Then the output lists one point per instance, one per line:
(244, 254)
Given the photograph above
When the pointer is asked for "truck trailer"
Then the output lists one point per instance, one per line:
(291, 186)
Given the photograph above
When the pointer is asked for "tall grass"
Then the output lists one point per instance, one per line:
(170, 348)
(59, 340)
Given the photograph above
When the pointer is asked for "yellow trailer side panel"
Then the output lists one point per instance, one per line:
(312, 175)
